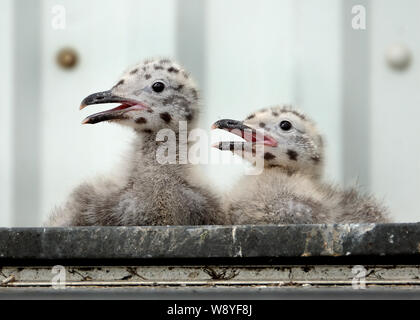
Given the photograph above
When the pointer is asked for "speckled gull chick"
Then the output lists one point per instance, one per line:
(156, 94)
(289, 190)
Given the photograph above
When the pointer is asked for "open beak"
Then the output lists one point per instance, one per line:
(250, 135)
(118, 113)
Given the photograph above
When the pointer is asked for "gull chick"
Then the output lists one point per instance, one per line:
(154, 95)
(290, 189)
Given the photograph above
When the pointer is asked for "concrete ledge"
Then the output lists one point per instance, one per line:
(297, 244)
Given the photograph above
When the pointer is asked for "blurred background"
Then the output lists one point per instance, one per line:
(351, 65)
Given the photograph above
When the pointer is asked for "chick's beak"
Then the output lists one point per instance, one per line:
(249, 134)
(101, 97)
(118, 113)
(229, 125)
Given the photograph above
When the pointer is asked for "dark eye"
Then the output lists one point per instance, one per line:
(285, 125)
(158, 87)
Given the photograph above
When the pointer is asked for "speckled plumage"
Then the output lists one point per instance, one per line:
(290, 189)
(145, 192)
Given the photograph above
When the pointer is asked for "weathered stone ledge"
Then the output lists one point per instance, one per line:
(299, 244)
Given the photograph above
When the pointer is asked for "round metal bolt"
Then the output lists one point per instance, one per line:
(398, 57)
(67, 58)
